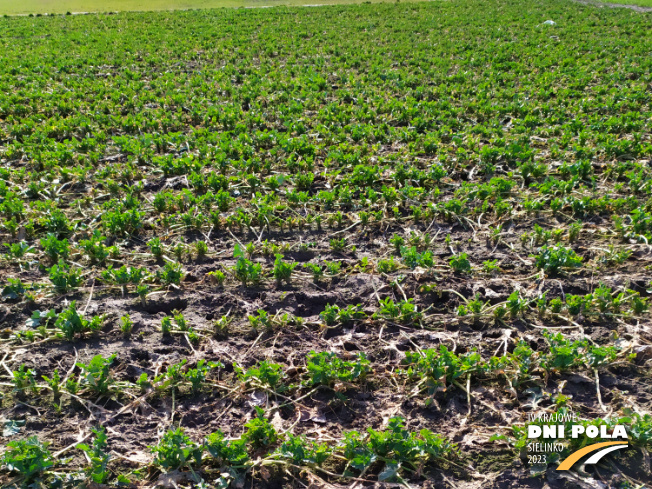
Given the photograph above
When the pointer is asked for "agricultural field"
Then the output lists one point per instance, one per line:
(43, 7)
(346, 246)
(641, 3)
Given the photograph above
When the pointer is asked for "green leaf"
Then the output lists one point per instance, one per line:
(389, 472)
(123, 480)
(12, 427)
(362, 461)
(238, 251)
(35, 320)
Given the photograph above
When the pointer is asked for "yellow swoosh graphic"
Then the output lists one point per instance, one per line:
(575, 456)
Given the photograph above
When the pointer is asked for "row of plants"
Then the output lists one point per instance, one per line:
(604, 302)
(65, 276)
(426, 371)
(126, 217)
(391, 454)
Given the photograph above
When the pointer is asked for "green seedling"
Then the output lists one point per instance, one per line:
(96, 374)
(260, 319)
(19, 250)
(490, 267)
(474, 307)
(299, 451)
(435, 369)
(182, 324)
(201, 249)
(29, 458)
(143, 382)
(126, 325)
(99, 458)
(166, 325)
(156, 248)
(326, 368)
(94, 248)
(412, 258)
(396, 447)
(244, 270)
(142, 291)
(176, 450)
(172, 377)
(221, 326)
(72, 324)
(460, 263)
(228, 452)
(387, 266)
(283, 270)
(64, 277)
(15, 289)
(405, 311)
(54, 383)
(54, 248)
(265, 374)
(259, 431)
(316, 271)
(124, 276)
(197, 376)
(556, 259)
(333, 314)
(23, 380)
(217, 277)
(333, 267)
(338, 245)
(516, 304)
(397, 241)
(170, 274)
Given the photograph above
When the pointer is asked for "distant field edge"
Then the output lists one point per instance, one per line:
(638, 5)
(41, 7)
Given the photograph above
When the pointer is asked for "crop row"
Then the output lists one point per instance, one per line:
(424, 371)
(394, 453)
